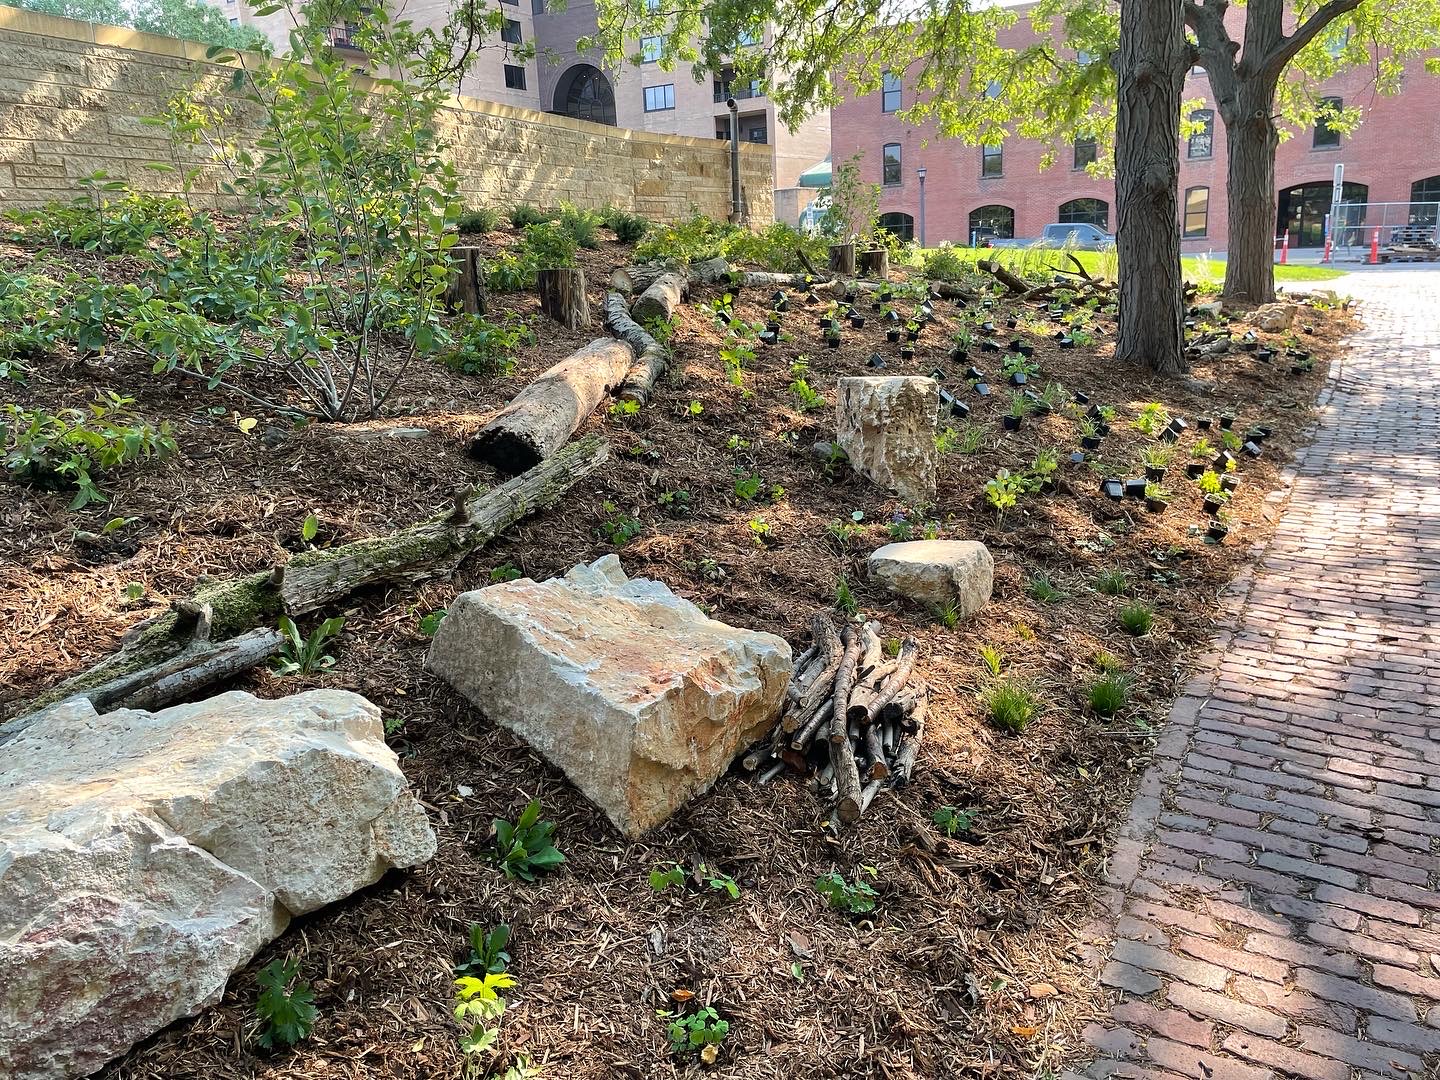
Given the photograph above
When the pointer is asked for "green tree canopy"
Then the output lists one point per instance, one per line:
(185, 19)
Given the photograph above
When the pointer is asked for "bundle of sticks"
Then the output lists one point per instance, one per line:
(853, 717)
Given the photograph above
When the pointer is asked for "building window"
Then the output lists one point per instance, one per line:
(650, 49)
(234, 21)
(747, 38)
(992, 222)
(1202, 139)
(537, 7)
(890, 93)
(1425, 201)
(652, 6)
(586, 94)
(901, 226)
(659, 98)
(1197, 71)
(890, 156)
(1197, 212)
(512, 3)
(1327, 137)
(514, 77)
(510, 32)
(1336, 44)
(759, 135)
(992, 161)
(1084, 153)
(1086, 212)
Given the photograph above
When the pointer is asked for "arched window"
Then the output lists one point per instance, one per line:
(1197, 213)
(1424, 192)
(1085, 212)
(586, 94)
(993, 222)
(901, 226)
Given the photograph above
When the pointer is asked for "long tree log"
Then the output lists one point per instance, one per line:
(660, 299)
(543, 416)
(844, 681)
(314, 579)
(909, 750)
(847, 780)
(1015, 284)
(650, 356)
(909, 649)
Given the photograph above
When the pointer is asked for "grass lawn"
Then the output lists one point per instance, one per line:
(1197, 268)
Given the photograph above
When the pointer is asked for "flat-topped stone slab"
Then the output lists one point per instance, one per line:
(637, 695)
(937, 572)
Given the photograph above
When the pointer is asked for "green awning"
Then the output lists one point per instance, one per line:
(817, 176)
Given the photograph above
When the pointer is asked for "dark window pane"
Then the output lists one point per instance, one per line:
(1325, 135)
(1202, 142)
(1085, 212)
(890, 163)
(1197, 212)
(992, 161)
(993, 221)
(514, 77)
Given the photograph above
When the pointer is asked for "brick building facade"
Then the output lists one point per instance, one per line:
(1392, 157)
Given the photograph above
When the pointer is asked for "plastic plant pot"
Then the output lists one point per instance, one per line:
(892, 317)
(832, 343)
(1203, 423)
(1195, 469)
(766, 337)
(973, 372)
(1102, 430)
(857, 322)
(952, 405)
(1047, 486)
(781, 305)
(1067, 342)
(1264, 355)
(1019, 379)
(1249, 346)
(1156, 506)
(1112, 489)
(811, 298)
(1253, 449)
(1227, 421)
(1261, 431)
(825, 323)
(1217, 531)
(938, 374)
(1178, 424)
(778, 296)
(1010, 423)
(1169, 435)
(1090, 442)
(724, 316)
(1135, 489)
(1011, 323)
(1026, 351)
(988, 346)
(982, 389)
(987, 304)
(1224, 462)
(1154, 473)
(875, 361)
(907, 353)
(892, 335)
(1016, 345)
(773, 326)
(885, 295)
(988, 327)
(1077, 458)
(1037, 403)
(1079, 398)
(1213, 505)
(1230, 482)
(913, 335)
(958, 354)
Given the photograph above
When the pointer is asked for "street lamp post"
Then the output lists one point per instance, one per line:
(920, 173)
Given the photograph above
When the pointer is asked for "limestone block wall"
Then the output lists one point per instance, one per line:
(74, 95)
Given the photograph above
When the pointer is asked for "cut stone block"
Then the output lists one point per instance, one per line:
(886, 424)
(638, 696)
(144, 857)
(937, 572)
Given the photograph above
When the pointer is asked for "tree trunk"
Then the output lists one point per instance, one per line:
(1250, 246)
(543, 416)
(562, 297)
(466, 289)
(842, 259)
(875, 264)
(1150, 71)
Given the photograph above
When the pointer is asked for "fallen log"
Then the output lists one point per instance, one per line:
(660, 299)
(909, 751)
(315, 579)
(650, 356)
(543, 416)
(1011, 281)
(844, 681)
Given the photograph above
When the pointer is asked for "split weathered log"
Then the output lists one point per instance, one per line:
(875, 752)
(543, 416)
(844, 681)
(466, 291)
(896, 710)
(315, 579)
(1011, 281)
(904, 663)
(842, 259)
(909, 750)
(868, 795)
(874, 263)
(847, 780)
(660, 298)
(866, 690)
(562, 296)
(872, 650)
(619, 322)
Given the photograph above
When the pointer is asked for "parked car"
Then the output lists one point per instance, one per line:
(1078, 236)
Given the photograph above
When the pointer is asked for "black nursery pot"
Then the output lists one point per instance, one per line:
(1195, 469)
(1067, 343)
(1103, 429)
(832, 343)
(907, 353)
(1010, 423)
(1011, 323)
(1077, 458)
(938, 374)
(1156, 506)
(1253, 449)
(1090, 442)
(973, 372)
(1019, 379)
(1229, 482)
(1264, 355)
(892, 335)
(958, 354)
(781, 305)
(983, 389)
(773, 326)
(885, 295)
(875, 361)
(1226, 421)
(892, 316)
(1213, 505)
(1203, 423)
(1178, 424)
(912, 335)
(811, 298)
(949, 403)
(1047, 486)
(1135, 489)
(1112, 489)
(767, 337)
(1079, 398)
(826, 324)
(1169, 435)
(857, 321)
(1217, 531)
(988, 327)
(1154, 473)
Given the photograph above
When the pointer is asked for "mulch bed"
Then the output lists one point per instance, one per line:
(938, 980)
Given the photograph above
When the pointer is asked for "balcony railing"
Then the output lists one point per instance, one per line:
(343, 37)
(739, 93)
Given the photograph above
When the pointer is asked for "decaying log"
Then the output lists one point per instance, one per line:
(1011, 281)
(844, 680)
(650, 355)
(814, 721)
(910, 746)
(562, 296)
(660, 298)
(847, 779)
(875, 752)
(909, 649)
(874, 263)
(902, 705)
(543, 416)
(842, 259)
(868, 795)
(620, 323)
(314, 579)
(466, 291)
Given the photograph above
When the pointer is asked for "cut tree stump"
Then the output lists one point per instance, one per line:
(466, 290)
(842, 259)
(562, 297)
(543, 416)
(875, 263)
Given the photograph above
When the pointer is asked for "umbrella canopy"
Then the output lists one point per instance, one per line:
(817, 176)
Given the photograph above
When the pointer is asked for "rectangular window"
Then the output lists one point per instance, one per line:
(759, 135)
(1202, 140)
(890, 93)
(510, 32)
(659, 98)
(537, 7)
(890, 163)
(652, 6)
(1327, 137)
(747, 38)
(650, 48)
(992, 161)
(1197, 212)
(1084, 153)
(514, 77)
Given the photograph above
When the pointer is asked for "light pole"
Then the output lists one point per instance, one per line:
(920, 173)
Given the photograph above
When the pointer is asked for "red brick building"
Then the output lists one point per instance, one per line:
(1393, 157)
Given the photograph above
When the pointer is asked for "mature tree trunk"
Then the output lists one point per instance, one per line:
(1150, 71)
(1251, 138)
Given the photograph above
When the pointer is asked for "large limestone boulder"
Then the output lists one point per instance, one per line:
(144, 857)
(937, 572)
(639, 697)
(886, 424)
(1274, 317)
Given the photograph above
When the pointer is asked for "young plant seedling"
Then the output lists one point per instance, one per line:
(993, 658)
(1109, 694)
(286, 1005)
(1137, 619)
(953, 821)
(855, 898)
(301, 655)
(1010, 706)
(1112, 583)
(526, 847)
(700, 1033)
(487, 951)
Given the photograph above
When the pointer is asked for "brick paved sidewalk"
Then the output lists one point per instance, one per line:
(1275, 902)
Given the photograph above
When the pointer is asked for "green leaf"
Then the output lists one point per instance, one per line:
(310, 528)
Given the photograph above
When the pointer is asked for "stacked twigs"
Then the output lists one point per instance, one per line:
(852, 719)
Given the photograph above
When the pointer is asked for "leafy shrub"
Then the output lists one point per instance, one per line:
(548, 245)
(1137, 619)
(487, 951)
(286, 1006)
(509, 272)
(99, 221)
(481, 347)
(698, 237)
(582, 225)
(223, 277)
(526, 847)
(694, 239)
(806, 399)
(483, 219)
(628, 228)
(699, 1033)
(525, 215)
(70, 449)
(1010, 706)
(1109, 694)
(854, 897)
(943, 264)
(301, 655)
(619, 527)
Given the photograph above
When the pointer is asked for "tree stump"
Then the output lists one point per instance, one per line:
(562, 297)
(842, 259)
(466, 290)
(875, 263)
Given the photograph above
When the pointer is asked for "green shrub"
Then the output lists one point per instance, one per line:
(1112, 582)
(509, 272)
(483, 219)
(943, 264)
(526, 847)
(72, 448)
(1109, 694)
(582, 225)
(628, 228)
(1137, 619)
(109, 219)
(481, 347)
(1010, 706)
(525, 214)
(286, 1006)
(548, 245)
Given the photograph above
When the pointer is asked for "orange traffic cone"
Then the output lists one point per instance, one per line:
(1375, 248)
(1285, 247)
